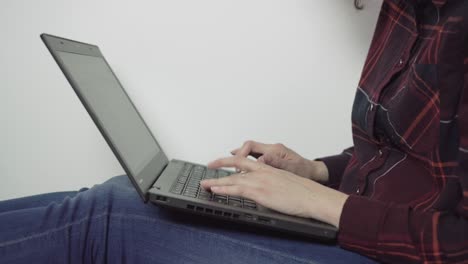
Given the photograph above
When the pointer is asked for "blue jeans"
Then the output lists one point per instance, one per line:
(110, 223)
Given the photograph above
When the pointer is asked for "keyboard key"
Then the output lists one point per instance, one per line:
(203, 192)
(188, 190)
(197, 174)
(199, 168)
(222, 174)
(249, 201)
(191, 189)
(235, 198)
(198, 171)
(193, 183)
(186, 170)
(182, 179)
(235, 203)
(205, 196)
(176, 191)
(189, 194)
(220, 199)
(210, 174)
(179, 186)
(249, 205)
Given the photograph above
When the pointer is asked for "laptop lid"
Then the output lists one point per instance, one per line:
(111, 110)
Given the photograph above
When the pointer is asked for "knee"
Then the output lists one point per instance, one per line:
(116, 194)
(119, 180)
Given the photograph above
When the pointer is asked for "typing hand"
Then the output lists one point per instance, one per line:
(277, 189)
(281, 157)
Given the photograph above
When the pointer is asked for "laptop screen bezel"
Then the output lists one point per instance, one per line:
(144, 180)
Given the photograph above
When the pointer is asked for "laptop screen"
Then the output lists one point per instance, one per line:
(111, 110)
(110, 104)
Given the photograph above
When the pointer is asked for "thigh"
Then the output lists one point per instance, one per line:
(149, 234)
(172, 237)
(110, 223)
(35, 200)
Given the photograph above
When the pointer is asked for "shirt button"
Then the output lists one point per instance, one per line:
(380, 152)
(372, 107)
(358, 190)
(400, 62)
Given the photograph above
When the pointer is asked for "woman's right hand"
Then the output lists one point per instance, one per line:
(281, 157)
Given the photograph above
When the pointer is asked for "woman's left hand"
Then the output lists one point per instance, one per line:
(277, 189)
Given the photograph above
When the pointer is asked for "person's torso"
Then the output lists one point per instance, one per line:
(405, 111)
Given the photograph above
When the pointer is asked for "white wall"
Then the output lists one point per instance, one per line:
(206, 75)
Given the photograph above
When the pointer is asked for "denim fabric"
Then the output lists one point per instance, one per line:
(110, 224)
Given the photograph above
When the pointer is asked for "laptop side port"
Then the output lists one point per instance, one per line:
(227, 214)
(161, 198)
(264, 220)
(204, 210)
(248, 217)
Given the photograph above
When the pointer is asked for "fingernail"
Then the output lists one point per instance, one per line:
(214, 188)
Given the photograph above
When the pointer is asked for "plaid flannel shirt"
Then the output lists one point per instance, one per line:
(407, 173)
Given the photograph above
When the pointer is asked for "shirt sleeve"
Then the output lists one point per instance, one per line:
(336, 165)
(399, 234)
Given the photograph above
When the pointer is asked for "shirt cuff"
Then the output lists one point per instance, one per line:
(336, 166)
(365, 223)
(360, 224)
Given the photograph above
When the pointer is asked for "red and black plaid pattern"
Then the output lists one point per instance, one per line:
(408, 170)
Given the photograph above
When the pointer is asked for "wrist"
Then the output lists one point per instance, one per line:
(336, 208)
(325, 204)
(318, 171)
(329, 206)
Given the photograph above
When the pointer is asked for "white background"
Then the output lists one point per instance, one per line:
(206, 75)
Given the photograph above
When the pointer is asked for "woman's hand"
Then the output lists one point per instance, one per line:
(281, 157)
(277, 189)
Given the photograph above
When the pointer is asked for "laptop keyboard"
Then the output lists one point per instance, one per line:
(188, 184)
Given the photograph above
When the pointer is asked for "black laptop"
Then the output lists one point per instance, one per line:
(169, 183)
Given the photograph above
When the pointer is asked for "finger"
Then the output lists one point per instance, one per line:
(234, 152)
(235, 179)
(252, 148)
(241, 163)
(234, 190)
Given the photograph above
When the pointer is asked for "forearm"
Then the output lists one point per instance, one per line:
(318, 171)
(335, 166)
(332, 206)
(324, 203)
